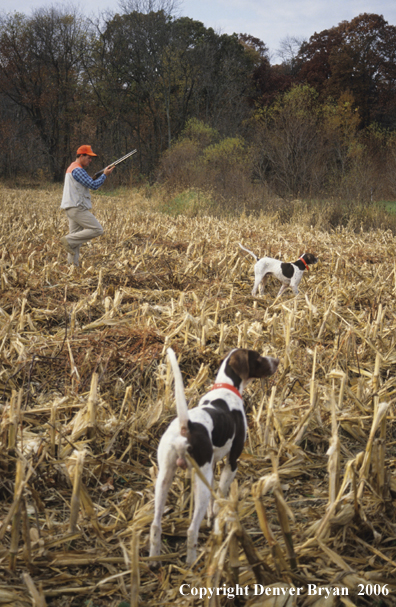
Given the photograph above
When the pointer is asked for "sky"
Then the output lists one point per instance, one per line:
(272, 21)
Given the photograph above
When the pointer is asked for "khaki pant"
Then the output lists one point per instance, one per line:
(83, 227)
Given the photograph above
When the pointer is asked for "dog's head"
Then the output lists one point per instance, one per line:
(242, 365)
(309, 258)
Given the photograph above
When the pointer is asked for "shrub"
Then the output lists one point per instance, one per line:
(191, 203)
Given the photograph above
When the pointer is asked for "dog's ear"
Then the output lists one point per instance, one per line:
(239, 363)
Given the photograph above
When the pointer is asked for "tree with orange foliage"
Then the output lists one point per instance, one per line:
(356, 57)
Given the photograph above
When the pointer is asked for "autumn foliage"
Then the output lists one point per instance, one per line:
(319, 123)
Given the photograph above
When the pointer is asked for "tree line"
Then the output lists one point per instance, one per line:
(321, 120)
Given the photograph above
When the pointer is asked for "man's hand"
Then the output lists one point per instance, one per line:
(108, 170)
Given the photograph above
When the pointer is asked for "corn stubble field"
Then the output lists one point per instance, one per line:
(86, 393)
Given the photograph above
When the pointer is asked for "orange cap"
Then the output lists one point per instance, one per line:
(86, 149)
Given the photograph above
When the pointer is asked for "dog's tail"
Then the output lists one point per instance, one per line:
(181, 403)
(247, 251)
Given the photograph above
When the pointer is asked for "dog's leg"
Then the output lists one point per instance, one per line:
(202, 499)
(262, 284)
(294, 285)
(210, 511)
(162, 486)
(282, 290)
(258, 277)
(226, 478)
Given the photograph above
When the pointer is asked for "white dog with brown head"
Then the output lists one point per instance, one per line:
(214, 429)
(289, 274)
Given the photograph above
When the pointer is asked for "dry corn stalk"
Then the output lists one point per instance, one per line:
(379, 417)
(12, 422)
(16, 520)
(135, 571)
(76, 466)
(92, 400)
(334, 454)
(268, 440)
(302, 427)
(37, 595)
(259, 490)
(284, 514)
(180, 278)
(53, 430)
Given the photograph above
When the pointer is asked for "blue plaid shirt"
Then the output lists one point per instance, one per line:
(82, 177)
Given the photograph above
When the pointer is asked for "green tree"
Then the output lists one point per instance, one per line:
(341, 125)
(153, 72)
(291, 151)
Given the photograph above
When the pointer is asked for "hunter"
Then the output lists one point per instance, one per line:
(76, 201)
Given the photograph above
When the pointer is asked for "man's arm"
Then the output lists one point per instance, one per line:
(82, 177)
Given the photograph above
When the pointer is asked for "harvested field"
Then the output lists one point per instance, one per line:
(86, 393)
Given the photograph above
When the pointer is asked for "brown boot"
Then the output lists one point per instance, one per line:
(65, 244)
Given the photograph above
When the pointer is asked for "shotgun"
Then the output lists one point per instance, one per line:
(113, 164)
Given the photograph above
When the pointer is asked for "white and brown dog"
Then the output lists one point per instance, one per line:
(289, 274)
(215, 428)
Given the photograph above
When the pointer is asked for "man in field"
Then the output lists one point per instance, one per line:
(76, 201)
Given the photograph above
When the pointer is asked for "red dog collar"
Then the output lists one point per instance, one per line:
(304, 262)
(227, 387)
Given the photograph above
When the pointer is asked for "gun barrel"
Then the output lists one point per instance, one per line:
(123, 158)
(113, 164)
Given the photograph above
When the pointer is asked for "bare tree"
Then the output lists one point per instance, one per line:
(288, 52)
(40, 72)
(145, 7)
